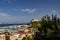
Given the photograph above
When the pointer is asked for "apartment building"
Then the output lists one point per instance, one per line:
(2, 36)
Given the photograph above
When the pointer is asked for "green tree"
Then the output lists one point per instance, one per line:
(48, 28)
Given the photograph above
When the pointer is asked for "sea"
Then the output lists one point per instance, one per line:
(4, 25)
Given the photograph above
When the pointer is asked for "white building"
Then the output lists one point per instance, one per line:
(33, 20)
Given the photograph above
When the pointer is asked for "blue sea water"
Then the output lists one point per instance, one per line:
(3, 25)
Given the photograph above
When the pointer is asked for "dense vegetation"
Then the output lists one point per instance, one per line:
(48, 28)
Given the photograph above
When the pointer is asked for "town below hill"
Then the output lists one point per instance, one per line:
(48, 28)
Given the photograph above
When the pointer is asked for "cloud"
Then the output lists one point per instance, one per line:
(54, 11)
(4, 17)
(8, 1)
(8, 18)
(3, 14)
(28, 10)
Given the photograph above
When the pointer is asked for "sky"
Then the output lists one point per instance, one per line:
(23, 11)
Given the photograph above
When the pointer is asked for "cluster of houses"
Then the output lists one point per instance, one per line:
(18, 33)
